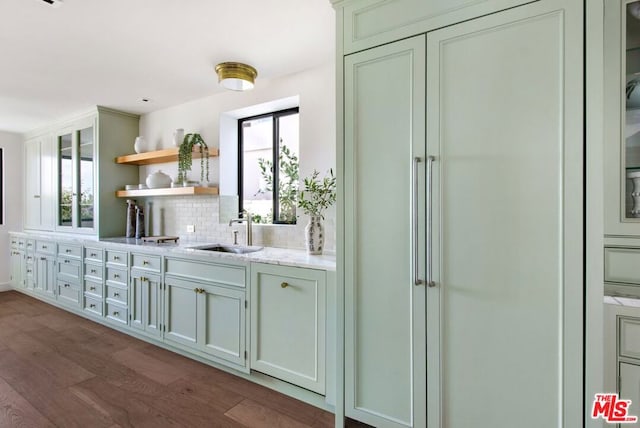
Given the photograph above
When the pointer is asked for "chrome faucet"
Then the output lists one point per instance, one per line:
(246, 219)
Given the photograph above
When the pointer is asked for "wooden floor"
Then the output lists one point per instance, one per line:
(60, 370)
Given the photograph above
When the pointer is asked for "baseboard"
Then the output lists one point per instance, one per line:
(5, 286)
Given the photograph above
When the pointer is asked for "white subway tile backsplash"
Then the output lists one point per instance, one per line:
(171, 215)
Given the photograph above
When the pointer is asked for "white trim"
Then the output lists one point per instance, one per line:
(5, 286)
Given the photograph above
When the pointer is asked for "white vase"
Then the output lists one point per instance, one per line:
(314, 235)
(140, 145)
(158, 180)
(178, 137)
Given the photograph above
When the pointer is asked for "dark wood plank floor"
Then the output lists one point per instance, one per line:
(60, 370)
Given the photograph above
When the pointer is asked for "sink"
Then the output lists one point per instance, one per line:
(221, 248)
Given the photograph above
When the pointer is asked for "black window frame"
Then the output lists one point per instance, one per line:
(276, 115)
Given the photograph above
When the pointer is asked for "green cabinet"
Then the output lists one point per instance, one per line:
(45, 278)
(17, 268)
(208, 317)
(39, 212)
(288, 336)
(145, 302)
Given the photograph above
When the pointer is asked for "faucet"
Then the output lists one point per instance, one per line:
(247, 219)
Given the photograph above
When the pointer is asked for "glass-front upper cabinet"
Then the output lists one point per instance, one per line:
(622, 117)
(76, 152)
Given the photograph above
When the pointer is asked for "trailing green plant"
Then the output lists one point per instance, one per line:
(318, 195)
(288, 182)
(185, 157)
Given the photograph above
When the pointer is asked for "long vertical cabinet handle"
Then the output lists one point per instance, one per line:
(430, 282)
(415, 237)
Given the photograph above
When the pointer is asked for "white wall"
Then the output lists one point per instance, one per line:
(316, 90)
(13, 190)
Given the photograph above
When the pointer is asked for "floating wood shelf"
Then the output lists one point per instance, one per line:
(159, 156)
(167, 191)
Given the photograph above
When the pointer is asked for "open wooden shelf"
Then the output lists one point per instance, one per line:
(167, 191)
(159, 156)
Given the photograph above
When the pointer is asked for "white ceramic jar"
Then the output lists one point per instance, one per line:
(158, 180)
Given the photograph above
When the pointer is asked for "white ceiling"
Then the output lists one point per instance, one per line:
(57, 61)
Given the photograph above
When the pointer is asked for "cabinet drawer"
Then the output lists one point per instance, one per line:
(31, 244)
(92, 287)
(117, 294)
(21, 243)
(210, 272)
(116, 313)
(93, 271)
(117, 276)
(15, 243)
(69, 250)
(29, 259)
(629, 334)
(622, 265)
(94, 254)
(69, 269)
(93, 305)
(30, 271)
(45, 247)
(68, 293)
(117, 258)
(143, 261)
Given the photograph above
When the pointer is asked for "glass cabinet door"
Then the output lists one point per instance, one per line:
(631, 120)
(76, 178)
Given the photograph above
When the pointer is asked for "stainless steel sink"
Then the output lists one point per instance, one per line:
(221, 248)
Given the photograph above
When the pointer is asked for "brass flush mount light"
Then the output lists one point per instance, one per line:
(236, 76)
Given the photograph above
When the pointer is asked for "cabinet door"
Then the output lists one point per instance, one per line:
(622, 118)
(288, 324)
(504, 123)
(17, 263)
(39, 179)
(45, 274)
(630, 389)
(221, 323)
(384, 310)
(76, 170)
(181, 312)
(145, 304)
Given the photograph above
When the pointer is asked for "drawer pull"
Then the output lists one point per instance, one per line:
(92, 288)
(67, 261)
(93, 255)
(92, 305)
(28, 270)
(29, 258)
(144, 279)
(115, 294)
(145, 262)
(21, 243)
(116, 313)
(94, 271)
(284, 285)
(43, 258)
(29, 245)
(116, 257)
(199, 290)
(67, 286)
(44, 247)
(115, 275)
(68, 250)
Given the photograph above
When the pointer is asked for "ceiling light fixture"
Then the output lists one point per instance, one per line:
(236, 76)
(54, 3)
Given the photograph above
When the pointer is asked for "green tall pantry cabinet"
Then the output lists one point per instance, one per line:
(460, 255)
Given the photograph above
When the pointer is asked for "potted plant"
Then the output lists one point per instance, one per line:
(317, 196)
(185, 158)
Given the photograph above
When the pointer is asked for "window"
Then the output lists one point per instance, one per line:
(269, 193)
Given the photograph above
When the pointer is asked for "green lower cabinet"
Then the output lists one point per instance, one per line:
(288, 307)
(145, 302)
(17, 264)
(45, 274)
(206, 318)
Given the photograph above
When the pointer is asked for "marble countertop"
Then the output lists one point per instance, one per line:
(271, 255)
(629, 301)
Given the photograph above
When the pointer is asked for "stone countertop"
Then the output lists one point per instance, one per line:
(627, 301)
(271, 255)
(278, 256)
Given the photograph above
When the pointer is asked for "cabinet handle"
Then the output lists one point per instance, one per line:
(144, 278)
(284, 285)
(116, 294)
(116, 258)
(93, 271)
(199, 290)
(92, 288)
(115, 276)
(92, 305)
(67, 261)
(28, 270)
(430, 282)
(43, 258)
(67, 286)
(145, 262)
(68, 250)
(29, 245)
(93, 255)
(116, 313)
(414, 221)
(44, 247)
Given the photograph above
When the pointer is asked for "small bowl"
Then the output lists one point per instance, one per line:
(142, 186)
(131, 186)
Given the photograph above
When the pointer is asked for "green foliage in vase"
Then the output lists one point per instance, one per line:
(317, 195)
(185, 157)
(288, 183)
